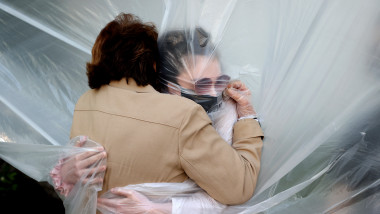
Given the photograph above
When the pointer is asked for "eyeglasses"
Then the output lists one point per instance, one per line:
(204, 85)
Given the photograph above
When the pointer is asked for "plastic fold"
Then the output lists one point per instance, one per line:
(312, 69)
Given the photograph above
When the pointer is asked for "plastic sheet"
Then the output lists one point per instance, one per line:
(312, 67)
(186, 197)
(44, 163)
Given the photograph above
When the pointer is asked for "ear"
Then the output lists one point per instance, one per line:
(154, 67)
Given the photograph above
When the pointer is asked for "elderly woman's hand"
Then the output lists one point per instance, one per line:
(241, 94)
(78, 165)
(72, 169)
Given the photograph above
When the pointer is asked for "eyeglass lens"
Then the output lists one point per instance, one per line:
(204, 85)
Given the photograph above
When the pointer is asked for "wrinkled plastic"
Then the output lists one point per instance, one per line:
(224, 119)
(44, 163)
(186, 197)
(238, 92)
(312, 67)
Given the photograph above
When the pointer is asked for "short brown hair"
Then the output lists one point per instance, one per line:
(125, 47)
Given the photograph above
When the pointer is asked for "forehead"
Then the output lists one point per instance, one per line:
(198, 67)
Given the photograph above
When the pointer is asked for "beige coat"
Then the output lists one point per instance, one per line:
(152, 137)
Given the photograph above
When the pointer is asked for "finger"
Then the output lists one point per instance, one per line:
(234, 84)
(234, 94)
(245, 93)
(82, 140)
(84, 163)
(108, 202)
(92, 181)
(243, 87)
(133, 195)
(122, 192)
(74, 160)
(92, 171)
(237, 84)
(84, 155)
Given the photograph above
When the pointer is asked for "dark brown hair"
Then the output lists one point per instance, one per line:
(176, 45)
(125, 47)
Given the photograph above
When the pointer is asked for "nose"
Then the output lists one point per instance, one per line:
(213, 91)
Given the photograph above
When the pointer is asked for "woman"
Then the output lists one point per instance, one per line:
(189, 67)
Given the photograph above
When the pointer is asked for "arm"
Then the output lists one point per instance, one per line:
(199, 202)
(125, 200)
(131, 202)
(227, 174)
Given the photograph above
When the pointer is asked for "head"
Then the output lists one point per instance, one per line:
(189, 66)
(124, 48)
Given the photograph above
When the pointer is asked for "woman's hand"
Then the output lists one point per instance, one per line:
(241, 94)
(72, 169)
(131, 202)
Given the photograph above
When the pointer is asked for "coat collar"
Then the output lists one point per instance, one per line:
(132, 86)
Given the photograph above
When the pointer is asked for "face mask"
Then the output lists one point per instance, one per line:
(209, 103)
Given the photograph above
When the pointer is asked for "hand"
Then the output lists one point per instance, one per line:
(240, 93)
(131, 202)
(75, 168)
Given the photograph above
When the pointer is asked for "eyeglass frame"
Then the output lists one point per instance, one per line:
(225, 78)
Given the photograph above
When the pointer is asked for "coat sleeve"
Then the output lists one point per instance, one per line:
(228, 174)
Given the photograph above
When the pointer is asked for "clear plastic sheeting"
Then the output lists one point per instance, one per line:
(186, 197)
(313, 69)
(44, 163)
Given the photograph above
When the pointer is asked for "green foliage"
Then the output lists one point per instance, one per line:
(8, 177)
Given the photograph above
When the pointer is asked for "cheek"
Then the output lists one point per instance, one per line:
(185, 81)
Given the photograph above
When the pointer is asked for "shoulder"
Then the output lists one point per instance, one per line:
(171, 102)
(85, 98)
(181, 109)
(180, 102)
(167, 109)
